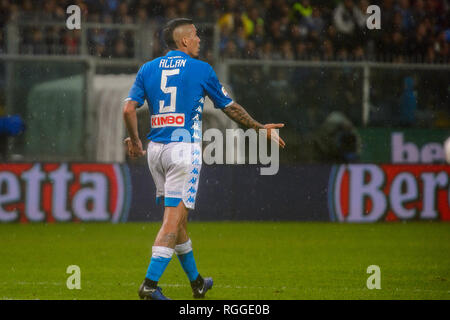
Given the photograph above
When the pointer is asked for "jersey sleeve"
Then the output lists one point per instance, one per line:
(137, 92)
(216, 91)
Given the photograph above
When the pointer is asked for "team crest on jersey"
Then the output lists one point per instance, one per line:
(224, 91)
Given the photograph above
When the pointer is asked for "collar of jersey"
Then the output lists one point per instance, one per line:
(177, 52)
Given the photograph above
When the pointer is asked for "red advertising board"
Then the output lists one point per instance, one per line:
(72, 192)
(369, 193)
(62, 192)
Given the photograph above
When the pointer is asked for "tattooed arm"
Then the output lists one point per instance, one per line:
(237, 113)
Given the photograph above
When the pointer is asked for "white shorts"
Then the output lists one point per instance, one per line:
(175, 168)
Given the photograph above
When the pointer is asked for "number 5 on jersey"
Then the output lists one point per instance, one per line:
(168, 90)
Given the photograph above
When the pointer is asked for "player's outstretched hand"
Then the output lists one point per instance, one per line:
(134, 149)
(273, 135)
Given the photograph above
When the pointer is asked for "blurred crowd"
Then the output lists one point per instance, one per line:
(411, 30)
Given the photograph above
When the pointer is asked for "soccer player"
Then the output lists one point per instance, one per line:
(174, 87)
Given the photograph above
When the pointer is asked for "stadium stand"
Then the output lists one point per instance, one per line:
(412, 30)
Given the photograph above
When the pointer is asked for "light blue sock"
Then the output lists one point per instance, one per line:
(161, 257)
(186, 257)
(188, 263)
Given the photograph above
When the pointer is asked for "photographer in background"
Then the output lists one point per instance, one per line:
(336, 141)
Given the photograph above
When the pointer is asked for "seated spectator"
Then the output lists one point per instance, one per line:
(418, 44)
(240, 37)
(250, 50)
(287, 52)
(408, 103)
(201, 12)
(120, 50)
(226, 35)
(100, 51)
(251, 20)
(358, 53)
(71, 42)
(314, 22)
(266, 51)
(230, 16)
(342, 55)
(404, 8)
(38, 43)
(301, 10)
(142, 16)
(300, 51)
(275, 35)
(231, 51)
(397, 45)
(327, 50)
(258, 35)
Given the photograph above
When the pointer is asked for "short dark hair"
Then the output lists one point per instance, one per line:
(170, 27)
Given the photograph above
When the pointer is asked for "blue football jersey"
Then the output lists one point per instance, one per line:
(174, 87)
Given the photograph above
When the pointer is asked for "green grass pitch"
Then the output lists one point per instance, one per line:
(248, 260)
